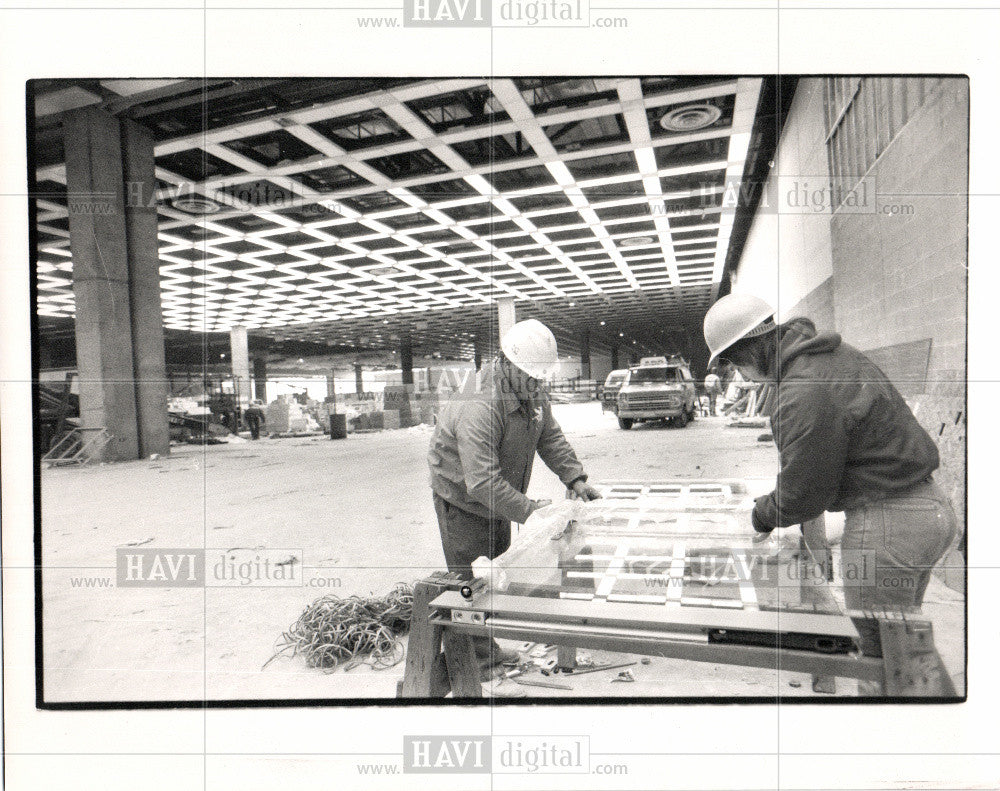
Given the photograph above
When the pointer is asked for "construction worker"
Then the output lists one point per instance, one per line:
(713, 388)
(481, 455)
(254, 416)
(848, 442)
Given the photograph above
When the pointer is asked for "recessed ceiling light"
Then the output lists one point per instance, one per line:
(196, 205)
(384, 270)
(636, 241)
(690, 117)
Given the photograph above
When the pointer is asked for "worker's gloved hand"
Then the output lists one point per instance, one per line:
(757, 517)
(585, 491)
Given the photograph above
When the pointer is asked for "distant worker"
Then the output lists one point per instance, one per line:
(848, 442)
(481, 455)
(255, 418)
(713, 389)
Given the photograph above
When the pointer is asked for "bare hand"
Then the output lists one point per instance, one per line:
(585, 491)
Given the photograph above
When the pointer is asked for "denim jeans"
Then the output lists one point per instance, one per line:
(465, 537)
(890, 547)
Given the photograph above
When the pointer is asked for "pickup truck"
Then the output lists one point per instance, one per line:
(657, 389)
(609, 390)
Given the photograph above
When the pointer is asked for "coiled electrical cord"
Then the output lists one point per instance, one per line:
(335, 631)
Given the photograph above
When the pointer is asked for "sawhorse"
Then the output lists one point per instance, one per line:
(896, 649)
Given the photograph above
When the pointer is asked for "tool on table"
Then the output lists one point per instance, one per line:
(625, 675)
(472, 587)
(547, 684)
(596, 668)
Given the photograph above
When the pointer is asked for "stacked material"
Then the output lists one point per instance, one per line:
(287, 416)
(426, 406)
(396, 399)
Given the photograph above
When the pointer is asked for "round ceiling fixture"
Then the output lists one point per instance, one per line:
(196, 205)
(637, 241)
(690, 117)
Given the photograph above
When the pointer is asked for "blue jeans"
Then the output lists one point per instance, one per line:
(890, 547)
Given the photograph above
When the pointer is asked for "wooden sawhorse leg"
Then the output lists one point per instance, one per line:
(429, 671)
(913, 667)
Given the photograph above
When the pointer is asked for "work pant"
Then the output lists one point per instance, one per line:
(712, 398)
(253, 423)
(464, 537)
(890, 547)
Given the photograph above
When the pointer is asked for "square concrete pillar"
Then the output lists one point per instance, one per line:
(260, 379)
(506, 315)
(585, 354)
(359, 381)
(406, 358)
(99, 248)
(152, 389)
(240, 357)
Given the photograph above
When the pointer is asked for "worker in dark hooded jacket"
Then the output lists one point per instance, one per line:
(848, 442)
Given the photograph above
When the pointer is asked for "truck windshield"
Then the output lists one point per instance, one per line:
(642, 376)
(616, 379)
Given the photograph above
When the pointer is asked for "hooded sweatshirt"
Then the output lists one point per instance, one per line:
(845, 434)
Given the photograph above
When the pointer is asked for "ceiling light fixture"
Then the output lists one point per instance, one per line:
(637, 241)
(690, 117)
(196, 205)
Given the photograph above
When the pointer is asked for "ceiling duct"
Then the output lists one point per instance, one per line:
(690, 117)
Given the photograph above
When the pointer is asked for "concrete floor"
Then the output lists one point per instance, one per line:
(360, 512)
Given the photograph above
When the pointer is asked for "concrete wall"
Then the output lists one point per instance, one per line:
(892, 280)
(788, 255)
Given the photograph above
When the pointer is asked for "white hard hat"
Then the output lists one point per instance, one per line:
(531, 346)
(734, 317)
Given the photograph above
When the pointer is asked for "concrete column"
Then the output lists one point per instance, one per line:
(614, 358)
(151, 386)
(359, 380)
(477, 351)
(99, 246)
(506, 315)
(585, 354)
(331, 386)
(406, 358)
(240, 355)
(260, 379)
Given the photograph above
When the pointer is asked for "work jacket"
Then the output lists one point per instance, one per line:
(845, 434)
(484, 445)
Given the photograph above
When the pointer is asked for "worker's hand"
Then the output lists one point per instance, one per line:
(536, 504)
(757, 518)
(585, 491)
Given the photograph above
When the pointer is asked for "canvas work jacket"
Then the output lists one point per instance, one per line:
(484, 446)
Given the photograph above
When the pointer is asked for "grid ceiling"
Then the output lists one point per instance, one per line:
(422, 202)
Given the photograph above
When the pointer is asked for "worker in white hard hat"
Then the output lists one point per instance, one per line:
(848, 442)
(482, 452)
